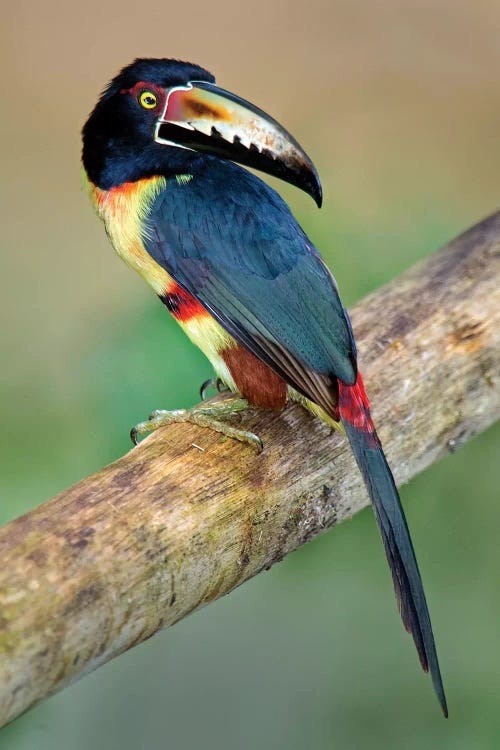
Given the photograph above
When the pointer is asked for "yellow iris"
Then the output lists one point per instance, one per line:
(148, 100)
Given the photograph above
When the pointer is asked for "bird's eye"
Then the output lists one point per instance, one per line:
(148, 100)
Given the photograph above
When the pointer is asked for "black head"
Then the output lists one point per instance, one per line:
(118, 143)
(158, 117)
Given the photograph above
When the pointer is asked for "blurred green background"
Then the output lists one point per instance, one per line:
(397, 102)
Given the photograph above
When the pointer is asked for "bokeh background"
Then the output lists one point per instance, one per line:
(398, 104)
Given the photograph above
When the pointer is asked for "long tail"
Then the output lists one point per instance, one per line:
(354, 409)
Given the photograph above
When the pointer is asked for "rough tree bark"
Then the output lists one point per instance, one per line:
(187, 516)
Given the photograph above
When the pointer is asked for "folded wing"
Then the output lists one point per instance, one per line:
(231, 242)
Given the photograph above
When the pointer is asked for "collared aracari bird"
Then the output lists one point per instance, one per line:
(228, 259)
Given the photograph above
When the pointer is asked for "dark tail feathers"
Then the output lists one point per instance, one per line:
(354, 409)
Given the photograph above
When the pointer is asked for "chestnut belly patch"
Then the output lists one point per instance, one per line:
(256, 382)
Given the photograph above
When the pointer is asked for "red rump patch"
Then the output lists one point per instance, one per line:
(354, 407)
(181, 304)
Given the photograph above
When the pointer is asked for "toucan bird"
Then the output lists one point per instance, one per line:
(162, 151)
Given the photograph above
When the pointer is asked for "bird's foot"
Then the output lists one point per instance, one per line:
(216, 383)
(203, 416)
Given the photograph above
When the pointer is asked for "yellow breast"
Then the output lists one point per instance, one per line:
(124, 210)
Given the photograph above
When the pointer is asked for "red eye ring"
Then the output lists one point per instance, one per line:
(147, 95)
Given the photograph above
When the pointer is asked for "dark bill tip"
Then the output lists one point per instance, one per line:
(203, 117)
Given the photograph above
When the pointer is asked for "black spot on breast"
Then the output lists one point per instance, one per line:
(172, 302)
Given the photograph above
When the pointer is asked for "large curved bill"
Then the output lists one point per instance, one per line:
(203, 117)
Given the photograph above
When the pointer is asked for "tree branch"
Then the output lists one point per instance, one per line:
(170, 527)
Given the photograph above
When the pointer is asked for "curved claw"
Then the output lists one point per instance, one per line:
(210, 383)
(257, 442)
(134, 436)
(215, 383)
